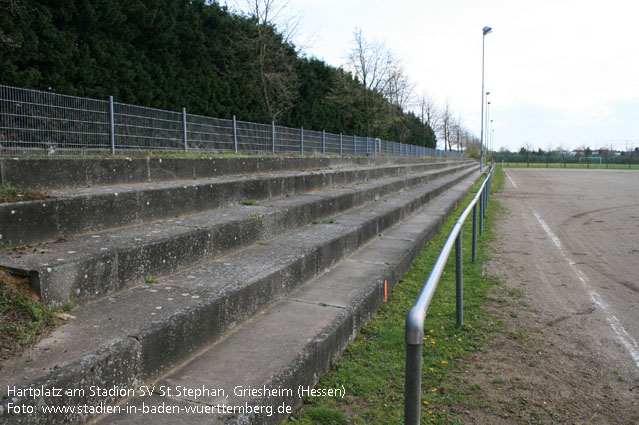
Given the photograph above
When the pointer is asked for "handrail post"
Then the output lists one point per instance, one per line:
(413, 384)
(474, 233)
(459, 279)
(481, 213)
(302, 141)
(483, 205)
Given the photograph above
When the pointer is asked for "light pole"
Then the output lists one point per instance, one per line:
(485, 31)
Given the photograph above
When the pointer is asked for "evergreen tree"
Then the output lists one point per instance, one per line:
(170, 54)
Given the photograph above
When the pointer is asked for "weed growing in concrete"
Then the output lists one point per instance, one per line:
(9, 193)
(23, 317)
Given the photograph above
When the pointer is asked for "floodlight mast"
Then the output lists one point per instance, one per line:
(485, 31)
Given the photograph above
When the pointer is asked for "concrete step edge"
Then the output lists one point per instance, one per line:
(55, 173)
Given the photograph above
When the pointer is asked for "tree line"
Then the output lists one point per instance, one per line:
(198, 54)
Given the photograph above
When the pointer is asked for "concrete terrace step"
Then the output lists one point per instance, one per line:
(142, 333)
(80, 210)
(89, 266)
(56, 173)
(268, 362)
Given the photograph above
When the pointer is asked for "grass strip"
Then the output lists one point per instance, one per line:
(372, 367)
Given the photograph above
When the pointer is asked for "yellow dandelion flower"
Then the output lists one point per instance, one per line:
(425, 402)
(432, 342)
(430, 412)
(459, 339)
(433, 390)
(444, 362)
(431, 369)
(432, 331)
(443, 327)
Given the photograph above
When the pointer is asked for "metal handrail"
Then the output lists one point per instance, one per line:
(417, 314)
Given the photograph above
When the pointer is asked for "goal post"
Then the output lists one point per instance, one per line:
(590, 160)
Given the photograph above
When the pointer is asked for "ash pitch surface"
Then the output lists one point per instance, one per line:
(583, 228)
(568, 246)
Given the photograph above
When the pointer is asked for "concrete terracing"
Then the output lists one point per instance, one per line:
(198, 290)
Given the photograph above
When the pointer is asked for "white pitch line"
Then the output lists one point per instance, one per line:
(626, 339)
(511, 180)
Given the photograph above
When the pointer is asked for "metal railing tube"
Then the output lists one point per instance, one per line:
(414, 327)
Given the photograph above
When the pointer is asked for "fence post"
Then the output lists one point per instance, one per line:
(366, 145)
(273, 137)
(323, 142)
(355, 145)
(459, 279)
(235, 133)
(302, 141)
(111, 126)
(186, 140)
(341, 145)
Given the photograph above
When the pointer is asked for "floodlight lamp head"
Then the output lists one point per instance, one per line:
(487, 30)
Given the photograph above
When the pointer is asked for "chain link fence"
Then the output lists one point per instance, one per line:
(609, 159)
(43, 123)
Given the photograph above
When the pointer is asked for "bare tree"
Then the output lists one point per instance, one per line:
(446, 126)
(429, 111)
(274, 67)
(399, 89)
(429, 114)
(458, 134)
(372, 65)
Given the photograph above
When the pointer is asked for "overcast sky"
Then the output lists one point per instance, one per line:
(560, 72)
